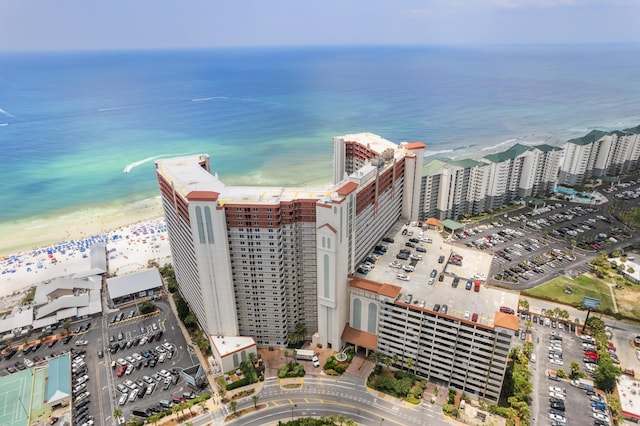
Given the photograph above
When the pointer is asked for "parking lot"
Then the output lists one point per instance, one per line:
(555, 348)
(145, 373)
(153, 354)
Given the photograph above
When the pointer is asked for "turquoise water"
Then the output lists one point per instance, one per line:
(82, 129)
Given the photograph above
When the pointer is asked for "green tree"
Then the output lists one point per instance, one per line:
(190, 320)
(155, 418)
(574, 367)
(606, 374)
(561, 373)
(524, 305)
(147, 307)
(66, 325)
(117, 412)
(255, 399)
(340, 418)
(410, 363)
(377, 357)
(527, 348)
(181, 306)
(234, 407)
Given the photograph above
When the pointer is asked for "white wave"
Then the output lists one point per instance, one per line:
(4, 124)
(146, 160)
(6, 113)
(430, 153)
(498, 145)
(208, 99)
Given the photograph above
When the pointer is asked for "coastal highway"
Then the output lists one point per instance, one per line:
(322, 397)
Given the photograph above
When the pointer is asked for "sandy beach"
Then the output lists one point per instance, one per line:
(131, 238)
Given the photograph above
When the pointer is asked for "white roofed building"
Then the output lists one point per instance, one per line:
(134, 286)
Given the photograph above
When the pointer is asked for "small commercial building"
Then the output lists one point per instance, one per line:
(134, 287)
(229, 352)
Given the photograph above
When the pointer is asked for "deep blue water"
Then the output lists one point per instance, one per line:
(70, 123)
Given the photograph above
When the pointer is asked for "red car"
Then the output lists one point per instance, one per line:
(591, 355)
(121, 370)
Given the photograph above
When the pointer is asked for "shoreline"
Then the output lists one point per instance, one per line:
(37, 250)
(42, 231)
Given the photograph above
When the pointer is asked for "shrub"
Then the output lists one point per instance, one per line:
(238, 383)
(411, 399)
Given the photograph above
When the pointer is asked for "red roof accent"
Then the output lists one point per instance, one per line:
(507, 321)
(432, 221)
(388, 290)
(414, 145)
(347, 188)
(203, 196)
(335, 231)
(360, 338)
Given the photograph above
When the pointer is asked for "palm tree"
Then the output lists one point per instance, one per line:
(222, 392)
(395, 359)
(252, 358)
(286, 355)
(203, 406)
(524, 304)
(388, 361)
(528, 324)
(155, 418)
(117, 412)
(175, 409)
(377, 357)
(234, 407)
(410, 363)
(255, 399)
(341, 419)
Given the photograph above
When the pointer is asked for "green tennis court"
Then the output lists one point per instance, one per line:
(21, 393)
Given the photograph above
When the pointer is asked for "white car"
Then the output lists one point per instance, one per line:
(557, 395)
(165, 373)
(82, 379)
(402, 277)
(557, 389)
(167, 345)
(431, 281)
(408, 268)
(556, 417)
(133, 395)
(467, 315)
(137, 356)
(532, 358)
(601, 416)
(316, 362)
(28, 363)
(556, 361)
(123, 399)
(415, 257)
(81, 342)
(395, 264)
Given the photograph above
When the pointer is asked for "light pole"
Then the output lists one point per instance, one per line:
(294, 406)
(381, 421)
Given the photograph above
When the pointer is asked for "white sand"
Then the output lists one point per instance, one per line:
(130, 251)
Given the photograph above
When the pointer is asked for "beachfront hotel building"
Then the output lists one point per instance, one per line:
(600, 154)
(452, 189)
(255, 261)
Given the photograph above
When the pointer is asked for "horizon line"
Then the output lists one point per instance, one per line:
(320, 46)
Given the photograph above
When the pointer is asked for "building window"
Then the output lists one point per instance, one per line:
(207, 217)
(373, 318)
(200, 225)
(326, 275)
(357, 313)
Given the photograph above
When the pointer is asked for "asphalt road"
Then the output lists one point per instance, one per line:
(322, 397)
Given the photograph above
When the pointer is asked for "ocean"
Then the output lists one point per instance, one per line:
(81, 129)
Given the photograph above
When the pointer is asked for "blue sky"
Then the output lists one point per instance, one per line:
(117, 24)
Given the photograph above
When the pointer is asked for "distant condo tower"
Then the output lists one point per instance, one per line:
(255, 261)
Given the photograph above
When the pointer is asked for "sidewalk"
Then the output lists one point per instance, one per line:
(215, 396)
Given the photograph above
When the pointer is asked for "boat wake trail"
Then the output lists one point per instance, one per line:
(6, 113)
(208, 99)
(146, 160)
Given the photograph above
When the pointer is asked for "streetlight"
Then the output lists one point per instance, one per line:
(294, 406)
(381, 421)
